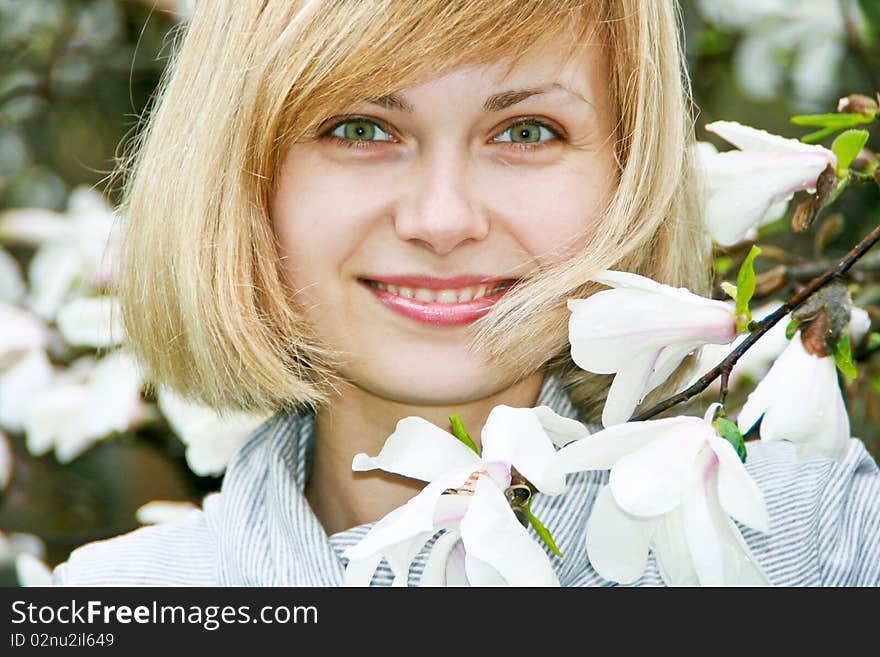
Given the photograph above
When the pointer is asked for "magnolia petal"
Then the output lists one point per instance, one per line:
(515, 437)
(491, 533)
(22, 332)
(747, 138)
(34, 226)
(400, 557)
(91, 322)
(359, 572)
(31, 571)
(456, 567)
(481, 574)
(628, 388)
(721, 556)
(671, 550)
(211, 438)
(561, 430)
(435, 570)
(57, 417)
(617, 543)
(7, 461)
(738, 493)
(419, 450)
(667, 362)
(163, 511)
(652, 480)
(21, 384)
(605, 448)
(859, 324)
(51, 274)
(12, 287)
(412, 519)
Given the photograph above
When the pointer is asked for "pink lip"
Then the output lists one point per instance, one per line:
(436, 314)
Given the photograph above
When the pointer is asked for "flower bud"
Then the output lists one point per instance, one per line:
(824, 318)
(857, 104)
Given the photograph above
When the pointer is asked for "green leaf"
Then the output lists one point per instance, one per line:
(745, 289)
(873, 340)
(542, 531)
(459, 432)
(819, 135)
(846, 146)
(730, 432)
(723, 264)
(729, 289)
(843, 358)
(791, 328)
(832, 121)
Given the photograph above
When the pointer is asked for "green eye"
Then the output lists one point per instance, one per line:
(360, 130)
(527, 132)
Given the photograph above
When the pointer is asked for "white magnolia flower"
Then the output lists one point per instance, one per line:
(7, 461)
(80, 247)
(162, 511)
(483, 543)
(22, 331)
(32, 571)
(91, 322)
(14, 544)
(641, 330)
(12, 287)
(674, 483)
(800, 401)
(82, 404)
(807, 37)
(747, 186)
(211, 438)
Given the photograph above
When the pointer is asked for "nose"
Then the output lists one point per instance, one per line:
(441, 212)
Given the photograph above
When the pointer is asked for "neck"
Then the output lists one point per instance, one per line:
(358, 421)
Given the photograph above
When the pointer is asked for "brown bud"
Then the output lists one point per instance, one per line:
(857, 104)
(829, 227)
(806, 211)
(768, 282)
(823, 318)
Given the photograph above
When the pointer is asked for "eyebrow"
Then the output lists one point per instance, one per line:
(494, 103)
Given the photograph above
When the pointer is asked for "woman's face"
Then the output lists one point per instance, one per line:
(407, 218)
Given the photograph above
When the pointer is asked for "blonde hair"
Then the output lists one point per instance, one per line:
(204, 299)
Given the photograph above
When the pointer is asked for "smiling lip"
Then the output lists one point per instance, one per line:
(435, 312)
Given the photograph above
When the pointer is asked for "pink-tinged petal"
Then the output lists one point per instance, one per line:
(672, 552)
(738, 493)
(51, 274)
(211, 438)
(561, 430)
(7, 461)
(605, 448)
(652, 480)
(34, 226)
(720, 555)
(22, 332)
(491, 533)
(419, 450)
(481, 574)
(742, 187)
(12, 287)
(747, 138)
(20, 384)
(515, 437)
(437, 563)
(628, 388)
(91, 322)
(412, 519)
(617, 543)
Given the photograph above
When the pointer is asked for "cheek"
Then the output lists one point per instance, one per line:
(552, 212)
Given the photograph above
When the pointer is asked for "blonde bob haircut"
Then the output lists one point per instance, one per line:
(204, 300)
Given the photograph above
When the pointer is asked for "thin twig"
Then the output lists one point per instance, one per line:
(765, 325)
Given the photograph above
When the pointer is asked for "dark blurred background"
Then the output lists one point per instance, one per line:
(75, 75)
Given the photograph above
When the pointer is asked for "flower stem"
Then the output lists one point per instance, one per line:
(763, 326)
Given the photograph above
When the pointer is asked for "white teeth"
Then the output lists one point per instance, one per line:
(447, 296)
(462, 295)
